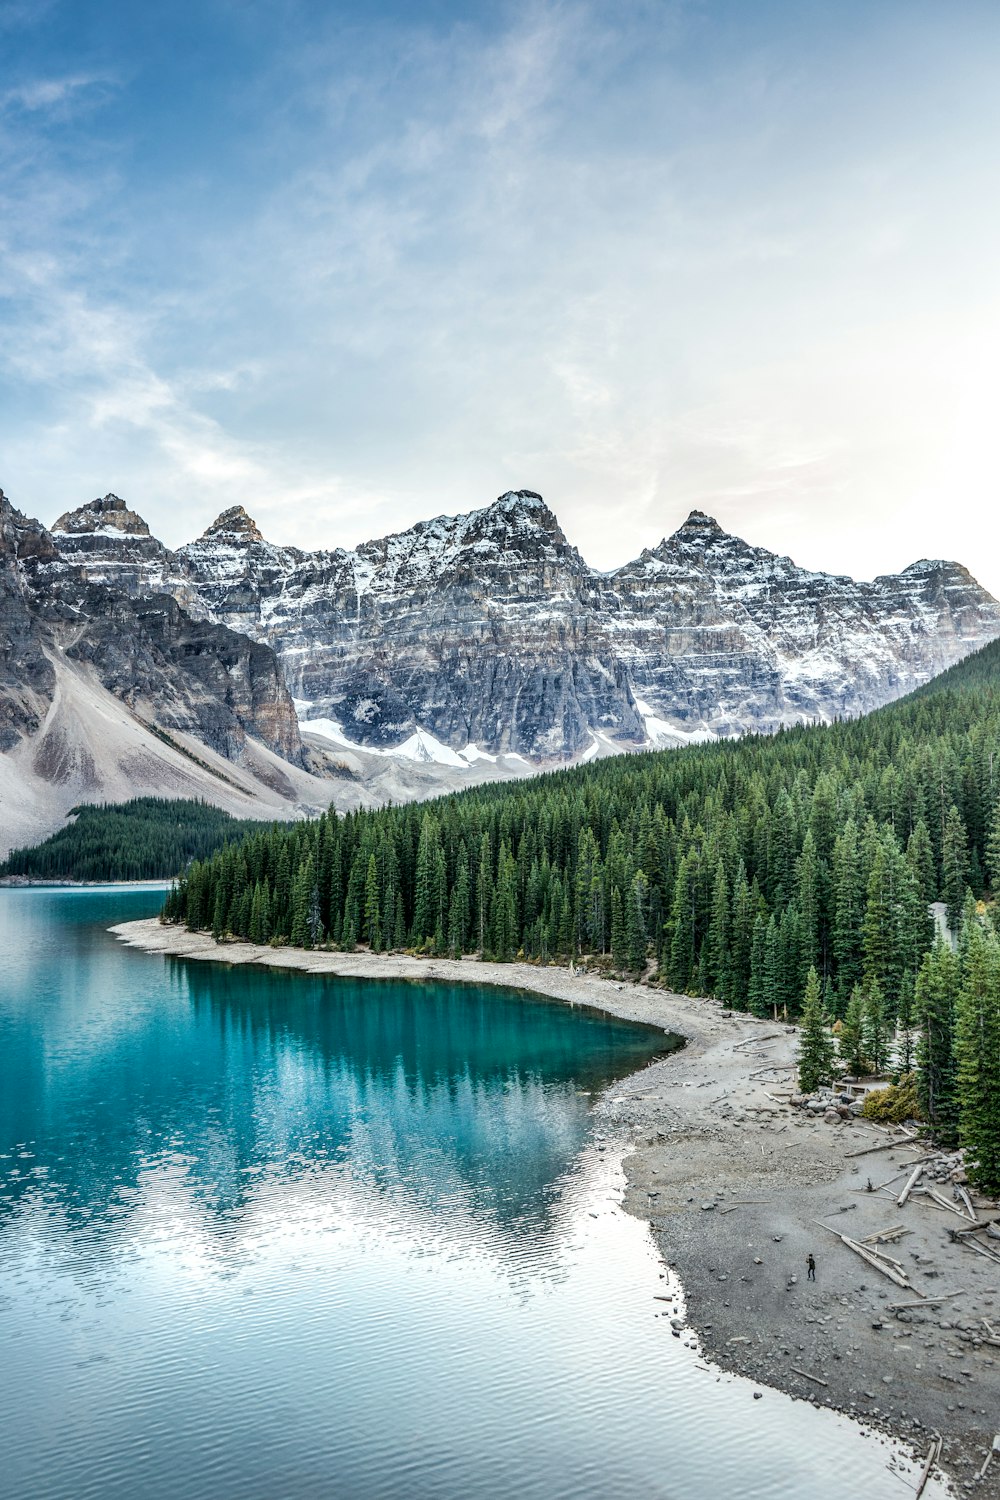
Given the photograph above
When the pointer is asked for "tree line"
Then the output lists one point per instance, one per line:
(752, 870)
(147, 838)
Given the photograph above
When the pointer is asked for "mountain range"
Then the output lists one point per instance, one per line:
(275, 680)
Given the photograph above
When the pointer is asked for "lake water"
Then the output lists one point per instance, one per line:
(270, 1237)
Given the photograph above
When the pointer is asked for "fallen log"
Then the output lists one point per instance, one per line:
(995, 1449)
(871, 1259)
(924, 1302)
(980, 1250)
(911, 1183)
(967, 1201)
(884, 1146)
(942, 1202)
(929, 1463)
(885, 1234)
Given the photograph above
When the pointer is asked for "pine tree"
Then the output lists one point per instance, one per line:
(874, 1029)
(954, 866)
(993, 852)
(905, 1040)
(683, 924)
(619, 951)
(757, 996)
(815, 1055)
(373, 906)
(717, 964)
(635, 922)
(504, 912)
(850, 1041)
(977, 1055)
(936, 995)
(848, 896)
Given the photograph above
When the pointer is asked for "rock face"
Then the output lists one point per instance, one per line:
(489, 629)
(197, 677)
(721, 635)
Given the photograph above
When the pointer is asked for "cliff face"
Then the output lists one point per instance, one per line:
(27, 678)
(722, 635)
(193, 676)
(489, 629)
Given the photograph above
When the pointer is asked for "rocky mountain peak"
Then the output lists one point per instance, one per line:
(109, 513)
(521, 511)
(699, 527)
(234, 526)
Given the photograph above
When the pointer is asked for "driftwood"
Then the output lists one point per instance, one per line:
(924, 1301)
(970, 1244)
(911, 1183)
(942, 1202)
(932, 1457)
(895, 1233)
(872, 1259)
(967, 1201)
(806, 1376)
(884, 1146)
(752, 1041)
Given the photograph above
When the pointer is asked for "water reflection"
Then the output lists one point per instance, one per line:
(437, 1098)
(264, 1235)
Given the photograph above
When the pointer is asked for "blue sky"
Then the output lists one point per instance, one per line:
(355, 265)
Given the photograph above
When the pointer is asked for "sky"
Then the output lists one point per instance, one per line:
(352, 265)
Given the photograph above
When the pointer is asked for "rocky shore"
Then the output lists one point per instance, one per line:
(740, 1187)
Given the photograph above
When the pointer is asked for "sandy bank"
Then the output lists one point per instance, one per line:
(732, 1180)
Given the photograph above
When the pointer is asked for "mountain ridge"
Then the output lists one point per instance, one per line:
(489, 629)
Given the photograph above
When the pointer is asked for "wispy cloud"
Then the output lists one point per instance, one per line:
(351, 270)
(46, 93)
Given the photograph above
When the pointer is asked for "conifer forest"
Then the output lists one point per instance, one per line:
(792, 875)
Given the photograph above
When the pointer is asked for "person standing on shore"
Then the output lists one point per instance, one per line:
(811, 1268)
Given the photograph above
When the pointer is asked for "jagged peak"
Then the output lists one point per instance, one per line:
(107, 513)
(699, 526)
(519, 500)
(233, 524)
(522, 507)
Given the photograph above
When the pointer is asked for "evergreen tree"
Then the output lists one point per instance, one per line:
(977, 1056)
(619, 950)
(936, 996)
(954, 866)
(757, 998)
(874, 1029)
(815, 1056)
(851, 1040)
(635, 922)
(373, 906)
(905, 1039)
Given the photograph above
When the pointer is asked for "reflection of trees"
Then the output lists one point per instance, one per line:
(444, 1099)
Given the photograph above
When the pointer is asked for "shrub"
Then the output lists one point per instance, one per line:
(893, 1104)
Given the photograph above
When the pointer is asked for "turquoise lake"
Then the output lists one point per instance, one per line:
(265, 1236)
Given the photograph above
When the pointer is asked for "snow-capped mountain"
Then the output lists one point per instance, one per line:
(486, 634)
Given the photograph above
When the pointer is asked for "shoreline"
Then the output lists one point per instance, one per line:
(733, 1183)
(44, 883)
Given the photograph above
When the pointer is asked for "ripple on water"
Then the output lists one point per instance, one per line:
(265, 1235)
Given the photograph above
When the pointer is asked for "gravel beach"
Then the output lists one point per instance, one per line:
(736, 1184)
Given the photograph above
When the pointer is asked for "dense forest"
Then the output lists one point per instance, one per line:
(768, 871)
(148, 838)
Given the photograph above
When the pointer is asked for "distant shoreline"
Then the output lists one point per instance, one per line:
(24, 882)
(732, 1181)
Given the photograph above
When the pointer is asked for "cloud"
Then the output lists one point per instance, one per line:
(45, 93)
(640, 257)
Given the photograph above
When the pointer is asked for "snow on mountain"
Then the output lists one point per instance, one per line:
(489, 630)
